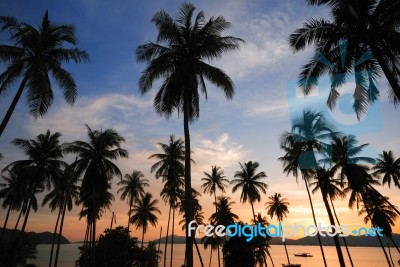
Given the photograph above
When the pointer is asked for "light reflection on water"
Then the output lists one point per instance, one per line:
(362, 256)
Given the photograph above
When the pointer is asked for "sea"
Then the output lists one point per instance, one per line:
(362, 256)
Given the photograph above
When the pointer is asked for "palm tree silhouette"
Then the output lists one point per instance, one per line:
(40, 170)
(356, 39)
(309, 131)
(179, 58)
(65, 192)
(223, 215)
(388, 166)
(13, 193)
(95, 163)
(380, 214)
(132, 189)
(277, 206)
(36, 53)
(261, 243)
(144, 214)
(170, 167)
(211, 182)
(249, 181)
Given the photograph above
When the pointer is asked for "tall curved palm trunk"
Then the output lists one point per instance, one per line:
(60, 234)
(188, 184)
(315, 221)
(335, 237)
(166, 238)
(5, 223)
(343, 238)
(54, 237)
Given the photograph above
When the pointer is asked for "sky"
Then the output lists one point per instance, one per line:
(246, 128)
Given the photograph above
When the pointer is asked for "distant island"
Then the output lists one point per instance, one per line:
(40, 238)
(353, 241)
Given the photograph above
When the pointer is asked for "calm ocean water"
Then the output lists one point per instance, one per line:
(362, 256)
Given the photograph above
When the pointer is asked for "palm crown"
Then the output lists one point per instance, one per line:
(36, 53)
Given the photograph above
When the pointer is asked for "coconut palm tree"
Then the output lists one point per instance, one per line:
(380, 214)
(223, 215)
(361, 37)
(144, 214)
(332, 188)
(95, 162)
(277, 206)
(261, 243)
(346, 159)
(43, 166)
(249, 181)
(388, 166)
(13, 194)
(212, 181)
(170, 167)
(132, 189)
(69, 190)
(37, 52)
(179, 57)
(308, 136)
(64, 190)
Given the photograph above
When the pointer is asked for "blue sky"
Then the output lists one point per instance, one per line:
(228, 132)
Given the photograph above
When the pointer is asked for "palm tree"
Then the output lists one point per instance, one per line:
(170, 167)
(95, 163)
(132, 189)
(261, 243)
(179, 58)
(211, 182)
(332, 188)
(249, 181)
(308, 134)
(69, 190)
(36, 53)
(43, 166)
(359, 38)
(144, 214)
(13, 193)
(277, 206)
(380, 214)
(388, 166)
(223, 214)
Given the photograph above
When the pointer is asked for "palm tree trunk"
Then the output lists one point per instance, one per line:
(284, 244)
(19, 218)
(13, 105)
(385, 199)
(25, 221)
(172, 238)
(209, 265)
(198, 252)
(188, 182)
(315, 221)
(5, 223)
(344, 239)
(129, 223)
(335, 237)
(166, 238)
(391, 239)
(54, 237)
(159, 246)
(390, 254)
(93, 240)
(219, 256)
(60, 233)
(384, 250)
(142, 252)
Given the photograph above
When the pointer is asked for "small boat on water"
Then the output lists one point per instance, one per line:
(303, 254)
